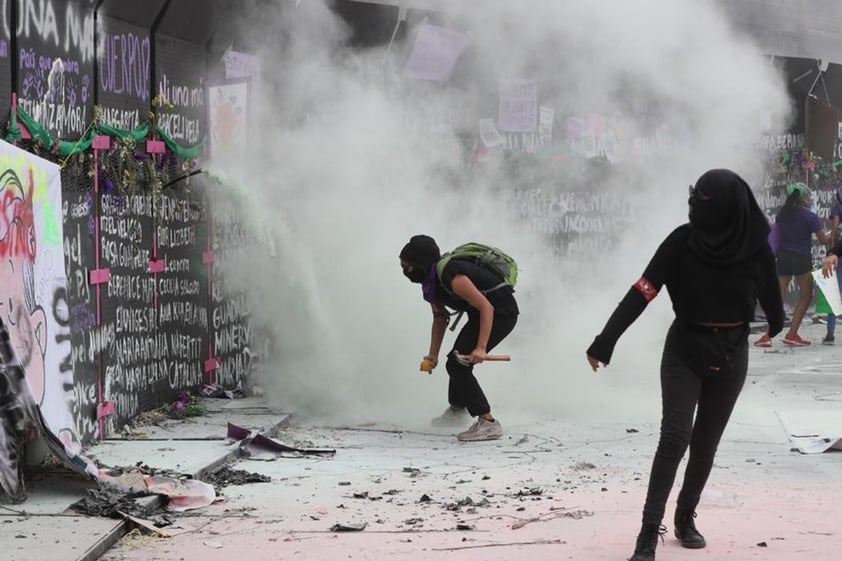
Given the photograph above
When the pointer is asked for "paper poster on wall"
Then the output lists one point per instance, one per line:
(518, 106)
(228, 111)
(435, 52)
(489, 135)
(241, 65)
(545, 123)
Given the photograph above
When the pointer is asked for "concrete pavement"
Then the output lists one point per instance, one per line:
(44, 529)
(569, 487)
(563, 488)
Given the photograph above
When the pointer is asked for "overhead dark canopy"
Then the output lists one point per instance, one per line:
(791, 28)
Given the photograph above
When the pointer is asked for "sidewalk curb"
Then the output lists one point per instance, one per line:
(123, 527)
(106, 542)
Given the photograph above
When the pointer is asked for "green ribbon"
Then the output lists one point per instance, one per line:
(68, 148)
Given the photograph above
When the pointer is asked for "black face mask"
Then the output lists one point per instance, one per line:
(415, 275)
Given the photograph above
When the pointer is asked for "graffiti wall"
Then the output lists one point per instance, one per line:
(55, 58)
(124, 67)
(112, 301)
(6, 56)
(180, 71)
(235, 335)
(162, 322)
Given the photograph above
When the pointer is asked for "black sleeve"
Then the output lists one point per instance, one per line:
(769, 292)
(836, 249)
(637, 298)
(628, 310)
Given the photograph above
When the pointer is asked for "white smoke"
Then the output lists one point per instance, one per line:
(346, 175)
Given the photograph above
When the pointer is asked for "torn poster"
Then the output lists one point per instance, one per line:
(252, 443)
(812, 432)
(35, 340)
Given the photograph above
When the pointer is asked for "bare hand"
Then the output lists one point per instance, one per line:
(830, 263)
(477, 356)
(594, 362)
(428, 363)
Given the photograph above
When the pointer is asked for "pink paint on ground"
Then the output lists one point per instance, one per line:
(791, 519)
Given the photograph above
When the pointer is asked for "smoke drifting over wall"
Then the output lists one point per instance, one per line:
(354, 158)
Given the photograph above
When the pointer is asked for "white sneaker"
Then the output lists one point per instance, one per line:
(482, 430)
(452, 418)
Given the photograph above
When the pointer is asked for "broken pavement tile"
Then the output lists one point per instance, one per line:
(348, 527)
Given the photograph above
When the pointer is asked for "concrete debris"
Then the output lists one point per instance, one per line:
(225, 476)
(110, 502)
(348, 527)
(533, 492)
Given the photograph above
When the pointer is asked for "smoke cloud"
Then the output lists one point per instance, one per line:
(351, 158)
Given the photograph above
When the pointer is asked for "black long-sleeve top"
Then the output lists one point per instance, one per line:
(701, 292)
(836, 249)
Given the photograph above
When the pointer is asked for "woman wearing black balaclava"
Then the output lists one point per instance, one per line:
(715, 268)
(492, 314)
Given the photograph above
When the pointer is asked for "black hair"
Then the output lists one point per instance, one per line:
(792, 203)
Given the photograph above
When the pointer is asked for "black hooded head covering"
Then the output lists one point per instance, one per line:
(421, 252)
(726, 223)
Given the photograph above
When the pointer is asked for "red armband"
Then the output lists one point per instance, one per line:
(646, 288)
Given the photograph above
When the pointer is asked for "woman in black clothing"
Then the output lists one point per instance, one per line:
(492, 314)
(715, 268)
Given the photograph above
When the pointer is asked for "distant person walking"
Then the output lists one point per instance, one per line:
(796, 224)
(835, 217)
(716, 268)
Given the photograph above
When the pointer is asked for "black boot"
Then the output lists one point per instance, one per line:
(685, 529)
(647, 541)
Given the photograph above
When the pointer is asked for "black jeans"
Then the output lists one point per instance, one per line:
(682, 389)
(464, 389)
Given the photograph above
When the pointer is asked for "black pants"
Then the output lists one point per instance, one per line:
(464, 390)
(682, 389)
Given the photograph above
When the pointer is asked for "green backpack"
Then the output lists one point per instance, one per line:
(490, 258)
